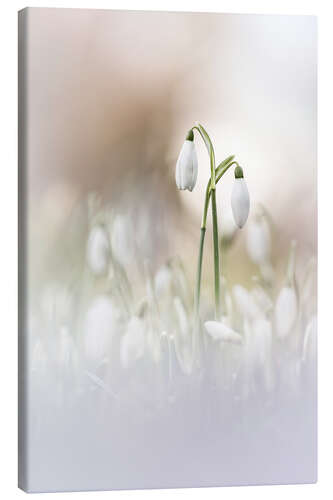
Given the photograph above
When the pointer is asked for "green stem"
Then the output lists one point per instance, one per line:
(210, 149)
(199, 273)
(216, 174)
(216, 255)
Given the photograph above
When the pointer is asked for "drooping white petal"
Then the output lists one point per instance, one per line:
(220, 331)
(285, 313)
(132, 342)
(240, 202)
(187, 166)
(97, 250)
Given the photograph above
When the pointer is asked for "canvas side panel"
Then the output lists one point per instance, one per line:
(22, 250)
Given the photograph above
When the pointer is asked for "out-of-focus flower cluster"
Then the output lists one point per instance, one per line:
(123, 323)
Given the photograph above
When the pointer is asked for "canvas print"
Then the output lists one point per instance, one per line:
(167, 249)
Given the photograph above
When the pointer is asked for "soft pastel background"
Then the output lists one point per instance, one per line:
(112, 95)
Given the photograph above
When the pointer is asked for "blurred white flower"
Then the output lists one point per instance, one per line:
(245, 303)
(100, 325)
(132, 343)
(285, 313)
(162, 281)
(240, 199)
(122, 239)
(187, 166)
(98, 250)
(258, 240)
(220, 331)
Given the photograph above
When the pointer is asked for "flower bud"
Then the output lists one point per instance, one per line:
(187, 165)
(240, 200)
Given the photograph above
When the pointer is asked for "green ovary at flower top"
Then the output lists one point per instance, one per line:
(186, 176)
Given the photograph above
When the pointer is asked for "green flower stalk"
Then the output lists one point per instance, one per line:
(186, 175)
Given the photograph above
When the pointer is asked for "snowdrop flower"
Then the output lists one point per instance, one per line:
(220, 331)
(258, 239)
(285, 313)
(187, 164)
(240, 200)
(98, 250)
(100, 324)
(132, 342)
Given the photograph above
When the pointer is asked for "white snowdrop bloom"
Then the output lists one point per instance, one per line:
(98, 250)
(132, 343)
(258, 240)
(245, 303)
(100, 324)
(240, 199)
(181, 316)
(220, 331)
(187, 165)
(310, 340)
(285, 313)
(162, 280)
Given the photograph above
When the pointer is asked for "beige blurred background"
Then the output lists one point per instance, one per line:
(112, 94)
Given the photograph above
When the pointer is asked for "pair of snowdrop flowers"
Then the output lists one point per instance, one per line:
(186, 177)
(187, 173)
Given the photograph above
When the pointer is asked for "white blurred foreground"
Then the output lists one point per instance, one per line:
(127, 393)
